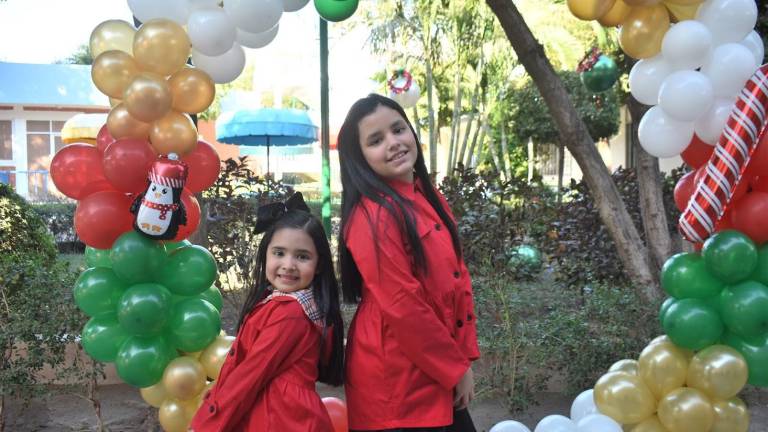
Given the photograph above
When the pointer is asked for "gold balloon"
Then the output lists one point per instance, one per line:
(175, 415)
(616, 15)
(686, 410)
(193, 90)
(113, 71)
(627, 365)
(214, 355)
(112, 35)
(588, 10)
(121, 124)
(731, 415)
(113, 102)
(148, 97)
(663, 367)
(719, 371)
(681, 12)
(634, 3)
(161, 46)
(154, 395)
(651, 424)
(195, 355)
(184, 378)
(174, 133)
(643, 30)
(683, 2)
(624, 397)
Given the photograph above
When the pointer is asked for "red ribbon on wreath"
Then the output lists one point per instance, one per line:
(729, 161)
(589, 60)
(401, 73)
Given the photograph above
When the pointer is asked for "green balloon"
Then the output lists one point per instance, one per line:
(98, 290)
(97, 257)
(761, 269)
(685, 276)
(730, 256)
(665, 307)
(188, 271)
(142, 360)
(336, 10)
(102, 337)
(744, 308)
(194, 324)
(170, 247)
(526, 255)
(602, 76)
(214, 297)
(755, 352)
(136, 259)
(692, 324)
(144, 309)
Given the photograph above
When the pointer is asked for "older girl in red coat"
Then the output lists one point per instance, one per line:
(413, 338)
(289, 334)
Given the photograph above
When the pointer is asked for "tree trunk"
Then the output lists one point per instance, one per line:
(652, 211)
(2, 413)
(480, 143)
(573, 133)
(431, 124)
(455, 125)
(415, 123)
(468, 159)
(503, 155)
(200, 236)
(560, 169)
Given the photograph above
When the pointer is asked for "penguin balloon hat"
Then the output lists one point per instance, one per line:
(159, 210)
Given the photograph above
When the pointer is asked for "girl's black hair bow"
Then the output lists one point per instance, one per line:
(268, 214)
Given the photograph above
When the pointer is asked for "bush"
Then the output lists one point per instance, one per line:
(60, 220)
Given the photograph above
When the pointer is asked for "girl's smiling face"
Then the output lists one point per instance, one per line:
(291, 260)
(388, 145)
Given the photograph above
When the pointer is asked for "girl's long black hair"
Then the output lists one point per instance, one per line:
(324, 288)
(359, 180)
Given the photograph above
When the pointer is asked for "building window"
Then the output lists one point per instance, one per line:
(6, 143)
(43, 141)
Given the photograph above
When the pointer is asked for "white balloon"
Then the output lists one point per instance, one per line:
(598, 423)
(294, 5)
(555, 423)
(174, 10)
(257, 40)
(687, 45)
(583, 405)
(224, 68)
(646, 77)
(412, 96)
(754, 43)
(211, 31)
(254, 16)
(728, 20)
(686, 95)
(509, 426)
(197, 4)
(661, 135)
(729, 68)
(710, 126)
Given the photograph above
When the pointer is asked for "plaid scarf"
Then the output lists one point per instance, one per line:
(307, 301)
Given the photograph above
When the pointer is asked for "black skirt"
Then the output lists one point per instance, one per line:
(462, 422)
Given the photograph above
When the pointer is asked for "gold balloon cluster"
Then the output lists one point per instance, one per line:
(185, 381)
(143, 72)
(671, 389)
(643, 23)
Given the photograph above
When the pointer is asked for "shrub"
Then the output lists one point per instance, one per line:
(60, 220)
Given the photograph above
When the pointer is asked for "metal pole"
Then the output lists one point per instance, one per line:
(325, 134)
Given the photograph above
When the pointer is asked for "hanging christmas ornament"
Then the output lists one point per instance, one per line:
(336, 10)
(404, 89)
(598, 72)
(159, 211)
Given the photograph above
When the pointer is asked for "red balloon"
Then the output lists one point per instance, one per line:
(193, 216)
(103, 139)
(697, 153)
(758, 162)
(337, 410)
(102, 217)
(684, 189)
(760, 184)
(126, 163)
(748, 216)
(74, 168)
(204, 165)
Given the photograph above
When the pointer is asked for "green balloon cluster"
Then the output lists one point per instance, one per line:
(147, 301)
(336, 10)
(720, 296)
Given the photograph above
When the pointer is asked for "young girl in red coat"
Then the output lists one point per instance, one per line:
(289, 334)
(413, 339)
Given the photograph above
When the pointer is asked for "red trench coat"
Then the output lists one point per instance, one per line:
(267, 382)
(413, 336)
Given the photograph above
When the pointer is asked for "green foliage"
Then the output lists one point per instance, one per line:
(60, 220)
(37, 310)
(81, 56)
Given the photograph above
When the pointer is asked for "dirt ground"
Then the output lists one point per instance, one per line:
(123, 410)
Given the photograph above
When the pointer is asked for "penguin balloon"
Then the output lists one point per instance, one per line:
(159, 210)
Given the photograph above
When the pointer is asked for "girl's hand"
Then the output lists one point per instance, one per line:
(465, 390)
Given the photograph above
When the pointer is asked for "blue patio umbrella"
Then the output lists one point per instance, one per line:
(266, 127)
